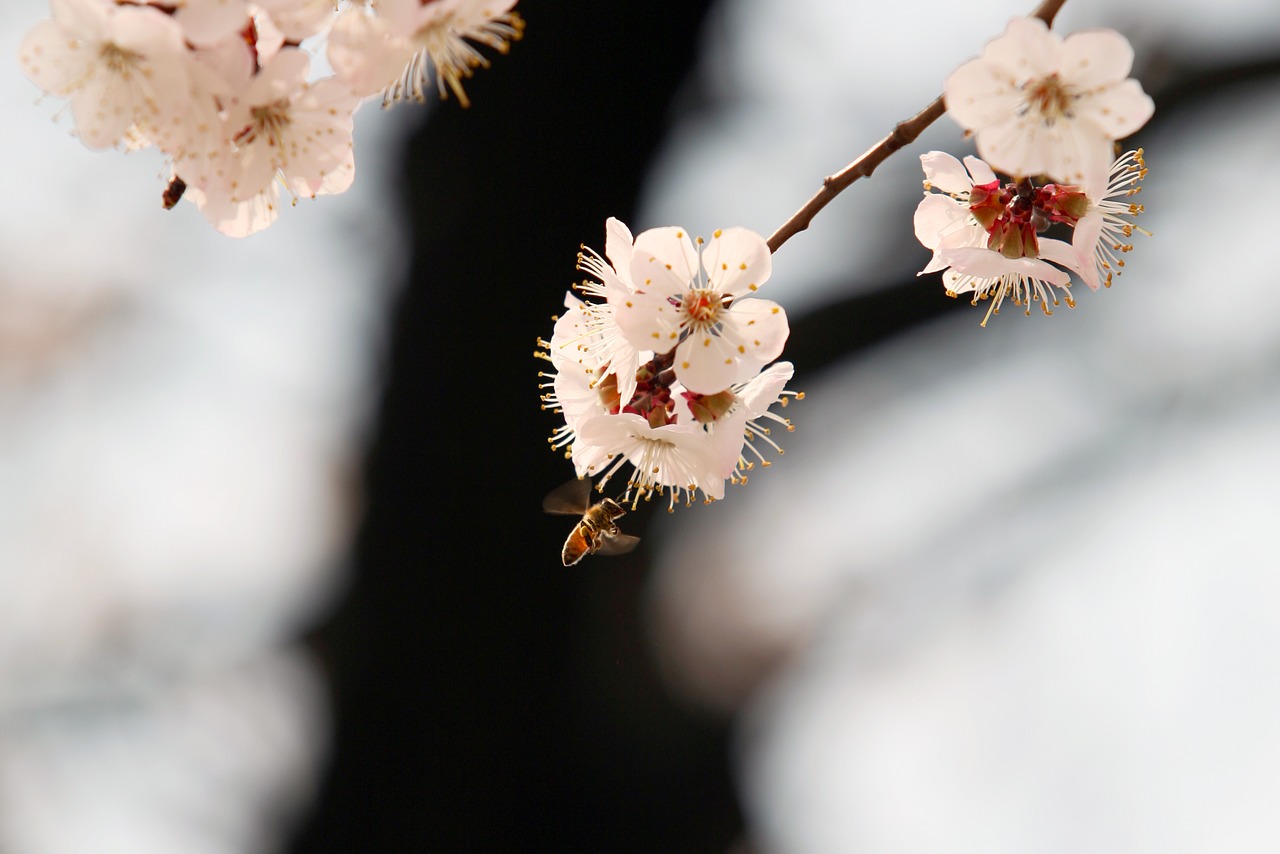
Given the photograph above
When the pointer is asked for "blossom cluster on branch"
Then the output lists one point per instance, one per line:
(663, 368)
(664, 371)
(225, 88)
(1046, 111)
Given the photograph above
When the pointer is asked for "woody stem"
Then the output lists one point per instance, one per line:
(904, 133)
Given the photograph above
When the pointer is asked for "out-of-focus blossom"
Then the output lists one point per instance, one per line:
(395, 46)
(224, 88)
(206, 22)
(1041, 105)
(284, 132)
(124, 69)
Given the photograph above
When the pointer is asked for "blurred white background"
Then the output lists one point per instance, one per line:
(181, 418)
(1010, 590)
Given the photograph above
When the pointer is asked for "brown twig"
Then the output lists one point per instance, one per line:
(903, 135)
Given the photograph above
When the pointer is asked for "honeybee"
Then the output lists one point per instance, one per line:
(597, 532)
(173, 193)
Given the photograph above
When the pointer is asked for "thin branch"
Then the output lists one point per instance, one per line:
(903, 135)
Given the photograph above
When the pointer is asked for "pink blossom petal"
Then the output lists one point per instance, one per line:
(149, 32)
(251, 171)
(1028, 49)
(281, 78)
(938, 215)
(1060, 252)
(1065, 150)
(470, 13)
(364, 52)
(1084, 241)
(979, 170)
(1095, 58)
(737, 261)
(1013, 146)
(752, 333)
(709, 364)
(299, 19)
(728, 435)
(1075, 153)
(206, 22)
(988, 264)
(238, 218)
(664, 261)
(46, 60)
(763, 390)
(618, 244)
(85, 20)
(1118, 110)
(966, 235)
(402, 15)
(978, 94)
(945, 172)
(649, 321)
(674, 455)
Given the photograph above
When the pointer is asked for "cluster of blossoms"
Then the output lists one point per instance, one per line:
(1045, 111)
(225, 89)
(664, 367)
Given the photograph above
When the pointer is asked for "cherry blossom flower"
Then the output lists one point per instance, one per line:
(627, 406)
(1002, 255)
(224, 89)
(671, 451)
(699, 302)
(1042, 105)
(124, 69)
(285, 132)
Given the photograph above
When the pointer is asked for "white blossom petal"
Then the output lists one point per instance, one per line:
(763, 390)
(938, 215)
(664, 261)
(618, 244)
(737, 261)
(945, 172)
(649, 321)
(987, 263)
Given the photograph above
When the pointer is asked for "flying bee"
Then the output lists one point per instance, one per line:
(597, 532)
(173, 193)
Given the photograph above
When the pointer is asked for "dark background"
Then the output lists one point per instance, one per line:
(487, 698)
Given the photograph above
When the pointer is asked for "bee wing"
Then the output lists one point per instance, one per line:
(571, 498)
(618, 544)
